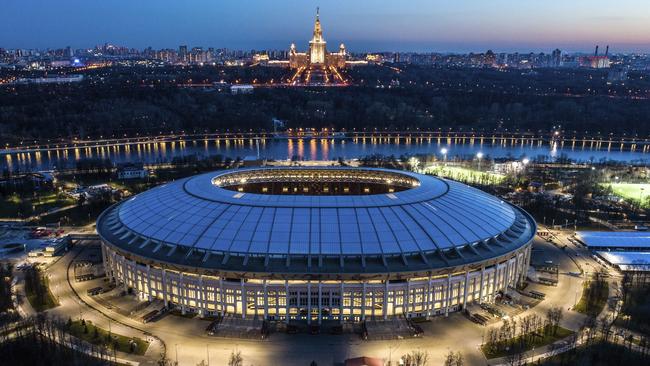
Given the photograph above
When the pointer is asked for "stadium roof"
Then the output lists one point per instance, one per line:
(195, 216)
(628, 261)
(614, 239)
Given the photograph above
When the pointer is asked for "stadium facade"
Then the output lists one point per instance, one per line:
(316, 244)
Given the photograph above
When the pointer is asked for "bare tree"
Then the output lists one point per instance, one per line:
(236, 359)
(416, 358)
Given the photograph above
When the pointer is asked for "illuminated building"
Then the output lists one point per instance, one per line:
(317, 65)
(313, 244)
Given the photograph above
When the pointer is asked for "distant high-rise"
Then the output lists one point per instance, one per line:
(556, 58)
(182, 52)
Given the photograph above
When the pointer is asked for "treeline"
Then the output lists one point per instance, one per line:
(595, 294)
(37, 290)
(44, 341)
(515, 336)
(147, 101)
(635, 293)
(6, 302)
(602, 345)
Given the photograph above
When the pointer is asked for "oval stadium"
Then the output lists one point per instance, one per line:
(314, 244)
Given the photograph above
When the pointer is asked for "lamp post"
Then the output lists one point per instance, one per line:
(443, 151)
(479, 156)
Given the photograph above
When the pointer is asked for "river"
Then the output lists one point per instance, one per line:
(306, 149)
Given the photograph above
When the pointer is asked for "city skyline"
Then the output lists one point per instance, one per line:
(365, 26)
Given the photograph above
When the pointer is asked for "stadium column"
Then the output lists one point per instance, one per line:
(222, 297)
(524, 266)
(108, 266)
(495, 282)
(148, 282)
(277, 302)
(137, 280)
(181, 292)
(329, 316)
(125, 271)
(243, 299)
(308, 302)
(506, 276)
(385, 306)
(320, 302)
(373, 302)
(448, 294)
(341, 298)
(266, 302)
(286, 304)
(517, 273)
(363, 301)
(466, 287)
(429, 297)
(202, 305)
(480, 293)
(164, 286)
(407, 296)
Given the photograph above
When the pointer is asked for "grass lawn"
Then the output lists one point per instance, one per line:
(466, 175)
(597, 306)
(12, 205)
(76, 216)
(537, 342)
(631, 191)
(123, 344)
(48, 303)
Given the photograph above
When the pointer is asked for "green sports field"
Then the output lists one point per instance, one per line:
(632, 191)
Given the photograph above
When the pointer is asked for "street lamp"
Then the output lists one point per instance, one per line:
(443, 151)
(641, 196)
(479, 156)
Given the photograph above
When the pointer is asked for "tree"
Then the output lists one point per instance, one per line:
(164, 361)
(236, 359)
(416, 358)
(454, 359)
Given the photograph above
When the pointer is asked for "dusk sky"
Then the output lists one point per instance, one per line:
(363, 25)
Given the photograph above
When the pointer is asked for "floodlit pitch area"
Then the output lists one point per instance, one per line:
(466, 175)
(633, 191)
(316, 244)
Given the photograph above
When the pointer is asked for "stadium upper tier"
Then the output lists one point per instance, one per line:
(318, 220)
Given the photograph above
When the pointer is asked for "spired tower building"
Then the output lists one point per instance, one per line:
(317, 45)
(317, 65)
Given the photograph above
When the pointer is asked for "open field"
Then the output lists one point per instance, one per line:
(47, 301)
(14, 206)
(539, 341)
(598, 300)
(631, 191)
(98, 336)
(466, 175)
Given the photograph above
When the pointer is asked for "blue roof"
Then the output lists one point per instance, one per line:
(435, 215)
(614, 239)
(628, 261)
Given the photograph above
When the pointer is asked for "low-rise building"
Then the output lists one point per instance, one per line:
(132, 171)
